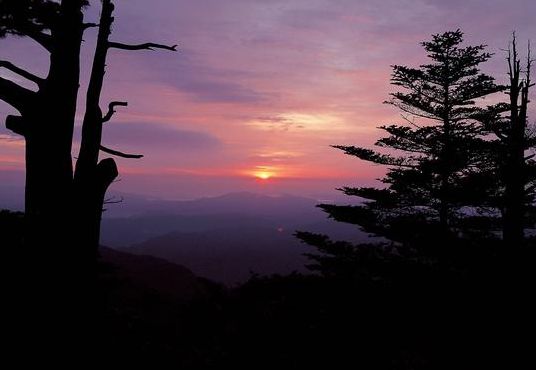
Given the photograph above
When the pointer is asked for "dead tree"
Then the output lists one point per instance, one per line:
(93, 177)
(517, 141)
(63, 207)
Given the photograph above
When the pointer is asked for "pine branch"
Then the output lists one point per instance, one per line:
(21, 72)
(86, 26)
(413, 111)
(411, 122)
(374, 157)
(146, 46)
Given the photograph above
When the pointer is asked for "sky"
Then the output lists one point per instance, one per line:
(260, 89)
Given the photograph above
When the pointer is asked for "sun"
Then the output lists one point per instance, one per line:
(263, 175)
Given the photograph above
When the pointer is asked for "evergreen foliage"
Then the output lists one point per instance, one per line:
(438, 201)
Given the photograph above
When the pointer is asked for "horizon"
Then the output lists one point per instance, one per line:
(259, 91)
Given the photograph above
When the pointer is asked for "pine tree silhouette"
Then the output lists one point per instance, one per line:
(434, 191)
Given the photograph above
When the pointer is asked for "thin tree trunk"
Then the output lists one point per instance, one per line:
(445, 172)
(91, 177)
(515, 176)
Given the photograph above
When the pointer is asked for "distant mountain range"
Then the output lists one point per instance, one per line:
(225, 238)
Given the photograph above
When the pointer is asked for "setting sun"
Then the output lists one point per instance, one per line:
(263, 172)
(263, 175)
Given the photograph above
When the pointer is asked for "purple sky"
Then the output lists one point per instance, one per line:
(262, 88)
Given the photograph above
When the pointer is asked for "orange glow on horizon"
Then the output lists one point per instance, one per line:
(263, 175)
(264, 172)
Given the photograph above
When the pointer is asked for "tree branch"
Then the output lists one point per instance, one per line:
(17, 124)
(16, 96)
(112, 201)
(120, 154)
(85, 26)
(111, 109)
(146, 46)
(21, 72)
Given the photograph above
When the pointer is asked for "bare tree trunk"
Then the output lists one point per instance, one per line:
(445, 171)
(49, 136)
(92, 178)
(515, 172)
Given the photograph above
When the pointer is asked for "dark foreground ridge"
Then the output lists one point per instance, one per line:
(395, 315)
(408, 317)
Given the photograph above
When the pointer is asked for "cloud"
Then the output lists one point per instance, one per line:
(158, 137)
(8, 138)
(275, 122)
(209, 84)
(298, 121)
(191, 76)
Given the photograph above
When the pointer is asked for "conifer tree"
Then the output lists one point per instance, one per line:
(434, 184)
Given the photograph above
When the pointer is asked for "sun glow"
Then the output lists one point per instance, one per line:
(263, 172)
(293, 121)
(263, 175)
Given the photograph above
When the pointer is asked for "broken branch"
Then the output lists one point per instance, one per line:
(85, 26)
(120, 154)
(111, 109)
(146, 46)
